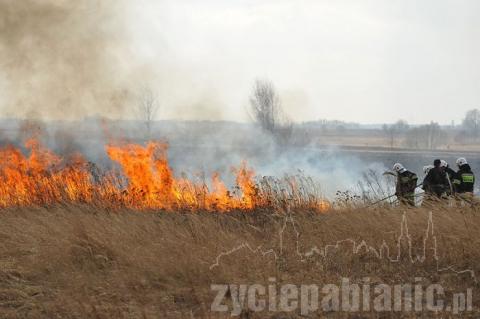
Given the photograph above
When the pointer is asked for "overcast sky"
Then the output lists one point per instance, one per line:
(369, 61)
(359, 60)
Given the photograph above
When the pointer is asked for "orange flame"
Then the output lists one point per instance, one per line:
(145, 181)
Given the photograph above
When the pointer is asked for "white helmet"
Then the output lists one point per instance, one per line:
(399, 168)
(427, 169)
(443, 163)
(461, 161)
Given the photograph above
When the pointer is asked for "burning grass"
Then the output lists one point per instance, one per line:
(144, 181)
(80, 242)
(82, 261)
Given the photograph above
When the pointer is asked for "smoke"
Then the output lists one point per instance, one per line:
(200, 149)
(64, 59)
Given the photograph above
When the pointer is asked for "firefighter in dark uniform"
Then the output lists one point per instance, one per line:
(450, 174)
(436, 180)
(464, 180)
(425, 186)
(406, 185)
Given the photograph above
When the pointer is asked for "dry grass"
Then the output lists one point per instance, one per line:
(82, 262)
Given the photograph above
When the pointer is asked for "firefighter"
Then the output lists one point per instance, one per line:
(406, 185)
(451, 176)
(465, 179)
(427, 169)
(425, 185)
(436, 180)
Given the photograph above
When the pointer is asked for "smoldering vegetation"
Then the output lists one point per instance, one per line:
(71, 63)
(200, 148)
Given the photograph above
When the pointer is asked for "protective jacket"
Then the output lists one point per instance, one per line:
(464, 180)
(451, 177)
(406, 184)
(436, 181)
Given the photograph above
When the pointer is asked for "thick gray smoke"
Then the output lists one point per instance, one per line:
(63, 59)
(201, 148)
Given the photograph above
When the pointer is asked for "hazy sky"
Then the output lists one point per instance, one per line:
(366, 61)
(352, 60)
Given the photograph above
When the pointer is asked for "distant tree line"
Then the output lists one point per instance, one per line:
(267, 112)
(432, 135)
(428, 136)
(470, 127)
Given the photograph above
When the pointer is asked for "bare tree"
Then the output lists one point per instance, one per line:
(393, 131)
(147, 108)
(415, 138)
(429, 136)
(267, 110)
(471, 123)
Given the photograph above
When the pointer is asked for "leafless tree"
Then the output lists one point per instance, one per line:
(267, 111)
(395, 130)
(429, 136)
(471, 123)
(147, 108)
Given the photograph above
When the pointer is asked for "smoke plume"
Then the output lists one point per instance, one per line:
(63, 59)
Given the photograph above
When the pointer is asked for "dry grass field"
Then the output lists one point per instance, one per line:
(83, 262)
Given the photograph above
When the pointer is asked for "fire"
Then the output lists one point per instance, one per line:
(151, 182)
(246, 184)
(143, 180)
(41, 178)
(324, 205)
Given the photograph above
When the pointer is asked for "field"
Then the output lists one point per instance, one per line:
(239, 159)
(80, 261)
(160, 230)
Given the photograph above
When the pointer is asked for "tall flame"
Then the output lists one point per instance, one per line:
(145, 181)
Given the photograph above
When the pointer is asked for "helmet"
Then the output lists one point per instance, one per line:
(399, 168)
(443, 163)
(427, 169)
(461, 161)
